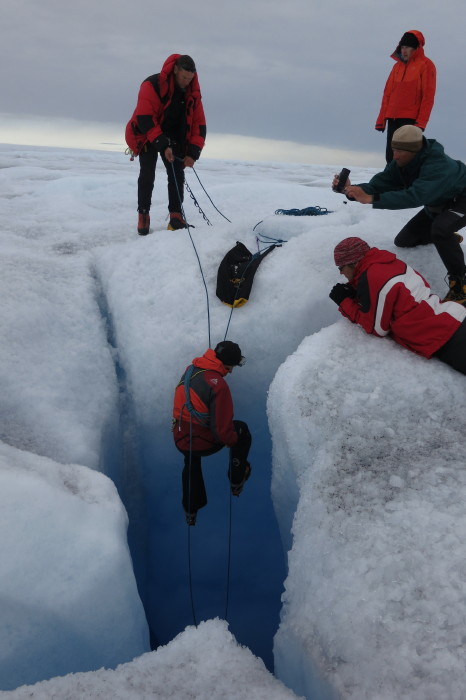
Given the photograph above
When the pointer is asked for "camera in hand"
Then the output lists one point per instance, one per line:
(342, 179)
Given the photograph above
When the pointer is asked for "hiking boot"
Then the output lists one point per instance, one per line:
(176, 222)
(457, 289)
(143, 222)
(191, 518)
(237, 488)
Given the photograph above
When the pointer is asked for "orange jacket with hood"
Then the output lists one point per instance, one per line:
(410, 89)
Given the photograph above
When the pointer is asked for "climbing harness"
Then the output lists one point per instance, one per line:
(199, 415)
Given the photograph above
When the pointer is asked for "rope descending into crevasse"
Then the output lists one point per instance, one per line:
(189, 405)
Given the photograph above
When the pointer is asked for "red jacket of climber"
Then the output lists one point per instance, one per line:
(154, 100)
(209, 394)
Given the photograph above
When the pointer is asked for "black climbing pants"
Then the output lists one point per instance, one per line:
(194, 493)
(439, 228)
(453, 353)
(175, 175)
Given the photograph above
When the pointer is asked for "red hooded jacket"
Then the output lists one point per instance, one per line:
(152, 104)
(210, 394)
(392, 298)
(410, 89)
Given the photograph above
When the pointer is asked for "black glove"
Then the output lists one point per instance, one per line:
(161, 143)
(342, 291)
(193, 151)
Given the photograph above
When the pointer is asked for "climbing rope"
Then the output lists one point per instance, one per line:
(201, 416)
(308, 211)
(229, 542)
(269, 241)
(193, 610)
(196, 203)
(205, 191)
(180, 199)
(253, 257)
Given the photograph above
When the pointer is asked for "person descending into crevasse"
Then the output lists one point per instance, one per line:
(203, 424)
(386, 297)
(169, 119)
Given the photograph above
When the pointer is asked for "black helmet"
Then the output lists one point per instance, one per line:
(229, 354)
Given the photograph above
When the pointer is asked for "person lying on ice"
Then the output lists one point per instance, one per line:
(421, 174)
(387, 297)
(203, 424)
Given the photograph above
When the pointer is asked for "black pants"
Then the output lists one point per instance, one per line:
(175, 174)
(392, 126)
(439, 229)
(194, 493)
(453, 353)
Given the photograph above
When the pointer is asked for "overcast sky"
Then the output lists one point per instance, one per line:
(303, 72)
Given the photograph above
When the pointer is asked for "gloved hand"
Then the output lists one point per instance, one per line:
(161, 143)
(342, 291)
(380, 127)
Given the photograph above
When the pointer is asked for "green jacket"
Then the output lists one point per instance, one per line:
(431, 179)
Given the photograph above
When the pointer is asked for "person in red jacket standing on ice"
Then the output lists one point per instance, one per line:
(409, 92)
(203, 424)
(169, 119)
(386, 297)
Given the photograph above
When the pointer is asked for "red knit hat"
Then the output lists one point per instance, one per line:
(350, 250)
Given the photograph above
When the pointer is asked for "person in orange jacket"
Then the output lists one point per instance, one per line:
(168, 120)
(203, 424)
(409, 92)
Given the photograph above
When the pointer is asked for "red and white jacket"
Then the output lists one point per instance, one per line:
(209, 394)
(393, 299)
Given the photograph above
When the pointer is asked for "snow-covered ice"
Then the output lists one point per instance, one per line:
(368, 457)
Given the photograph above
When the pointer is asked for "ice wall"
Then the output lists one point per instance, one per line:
(63, 549)
(368, 445)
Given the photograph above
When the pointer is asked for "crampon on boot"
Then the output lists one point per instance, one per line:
(191, 518)
(237, 488)
(176, 222)
(457, 289)
(143, 222)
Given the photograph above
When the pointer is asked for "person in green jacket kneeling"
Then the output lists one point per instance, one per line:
(421, 174)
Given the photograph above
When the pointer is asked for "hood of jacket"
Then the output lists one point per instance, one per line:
(419, 52)
(209, 360)
(374, 255)
(167, 78)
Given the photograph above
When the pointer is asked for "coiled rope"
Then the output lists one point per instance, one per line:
(307, 211)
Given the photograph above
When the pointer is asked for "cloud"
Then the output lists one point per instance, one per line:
(72, 133)
(300, 71)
